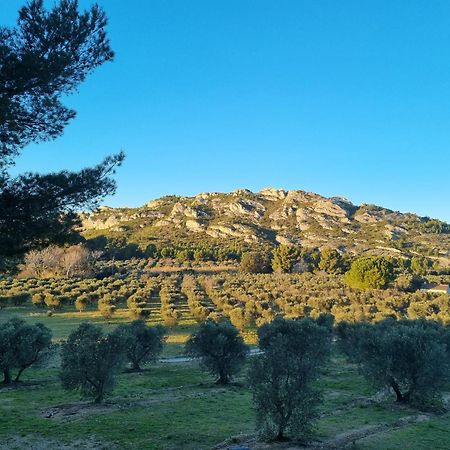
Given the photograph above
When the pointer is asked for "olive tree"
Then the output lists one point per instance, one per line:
(219, 346)
(281, 378)
(90, 360)
(142, 343)
(412, 357)
(21, 346)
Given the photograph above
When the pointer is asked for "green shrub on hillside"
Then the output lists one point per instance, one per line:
(369, 272)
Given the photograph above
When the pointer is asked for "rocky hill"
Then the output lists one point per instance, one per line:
(270, 217)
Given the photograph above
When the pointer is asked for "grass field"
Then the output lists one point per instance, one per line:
(177, 406)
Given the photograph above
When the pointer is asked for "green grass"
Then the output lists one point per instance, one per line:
(432, 434)
(178, 406)
(166, 406)
(358, 417)
(62, 323)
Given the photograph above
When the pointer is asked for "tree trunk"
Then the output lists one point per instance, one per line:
(397, 391)
(6, 376)
(135, 367)
(99, 397)
(280, 435)
(19, 373)
(223, 378)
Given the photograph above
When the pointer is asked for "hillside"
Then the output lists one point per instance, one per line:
(270, 217)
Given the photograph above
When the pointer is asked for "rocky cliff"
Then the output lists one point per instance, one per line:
(272, 216)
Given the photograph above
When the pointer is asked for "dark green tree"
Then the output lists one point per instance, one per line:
(90, 360)
(369, 272)
(45, 57)
(21, 346)
(412, 357)
(284, 258)
(142, 343)
(32, 345)
(420, 265)
(219, 346)
(185, 254)
(331, 261)
(8, 331)
(282, 377)
(255, 262)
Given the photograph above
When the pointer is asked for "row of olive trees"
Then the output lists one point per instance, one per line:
(281, 376)
(291, 258)
(89, 356)
(196, 298)
(411, 358)
(169, 296)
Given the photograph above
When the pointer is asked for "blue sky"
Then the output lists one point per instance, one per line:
(347, 98)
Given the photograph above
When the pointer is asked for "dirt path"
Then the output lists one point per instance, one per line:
(340, 441)
(185, 359)
(343, 440)
(39, 443)
(74, 411)
(348, 438)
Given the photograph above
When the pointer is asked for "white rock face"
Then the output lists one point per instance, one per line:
(282, 213)
(193, 225)
(163, 223)
(179, 210)
(236, 230)
(330, 207)
(303, 214)
(394, 233)
(244, 207)
(244, 192)
(284, 240)
(367, 217)
(272, 194)
(92, 223)
(295, 197)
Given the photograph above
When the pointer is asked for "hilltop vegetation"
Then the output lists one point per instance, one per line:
(222, 223)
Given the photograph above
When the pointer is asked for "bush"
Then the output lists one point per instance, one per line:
(331, 261)
(255, 262)
(284, 258)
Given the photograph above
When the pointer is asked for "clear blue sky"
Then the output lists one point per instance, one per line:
(343, 97)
